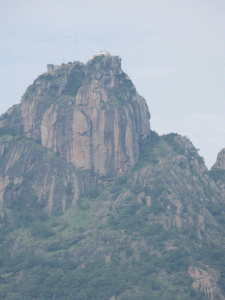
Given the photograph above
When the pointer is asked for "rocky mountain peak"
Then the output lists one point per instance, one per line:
(105, 62)
(91, 115)
(72, 227)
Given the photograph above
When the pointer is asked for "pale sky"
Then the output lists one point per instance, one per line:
(173, 51)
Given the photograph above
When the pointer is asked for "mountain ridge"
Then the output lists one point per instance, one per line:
(154, 230)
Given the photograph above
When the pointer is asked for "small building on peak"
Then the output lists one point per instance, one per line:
(105, 53)
(51, 67)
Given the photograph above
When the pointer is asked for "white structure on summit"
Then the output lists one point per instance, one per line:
(100, 53)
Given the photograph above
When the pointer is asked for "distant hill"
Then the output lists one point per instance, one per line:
(95, 205)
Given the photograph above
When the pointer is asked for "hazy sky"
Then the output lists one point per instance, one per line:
(173, 51)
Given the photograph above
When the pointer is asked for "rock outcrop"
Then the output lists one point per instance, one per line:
(206, 281)
(218, 172)
(87, 119)
(90, 114)
(33, 177)
(220, 162)
(179, 193)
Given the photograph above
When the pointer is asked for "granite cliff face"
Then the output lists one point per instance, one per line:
(90, 114)
(33, 177)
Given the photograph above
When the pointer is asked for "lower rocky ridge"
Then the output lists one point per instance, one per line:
(156, 231)
(33, 177)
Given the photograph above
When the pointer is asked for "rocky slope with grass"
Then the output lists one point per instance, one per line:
(138, 217)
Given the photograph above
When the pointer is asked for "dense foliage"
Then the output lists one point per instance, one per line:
(109, 244)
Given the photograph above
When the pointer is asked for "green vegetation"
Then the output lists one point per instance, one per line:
(110, 243)
(74, 81)
(124, 92)
(69, 188)
(49, 279)
(41, 277)
(217, 174)
(10, 185)
(45, 77)
(95, 60)
(169, 138)
(41, 230)
(150, 152)
(11, 130)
